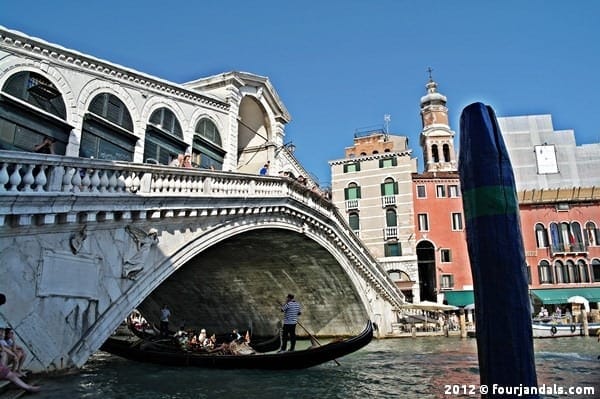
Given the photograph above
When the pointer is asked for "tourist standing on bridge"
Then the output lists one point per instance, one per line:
(8, 374)
(165, 314)
(291, 311)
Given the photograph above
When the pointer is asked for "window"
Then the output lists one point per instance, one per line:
(447, 281)
(576, 237)
(354, 221)
(421, 192)
(445, 255)
(423, 222)
(573, 272)
(392, 249)
(435, 155)
(562, 276)
(545, 272)
(446, 151)
(541, 236)
(591, 234)
(596, 270)
(389, 187)
(457, 223)
(352, 167)
(583, 271)
(440, 191)
(388, 162)
(352, 191)
(163, 137)
(390, 218)
(107, 131)
(207, 151)
(556, 237)
(453, 191)
(22, 127)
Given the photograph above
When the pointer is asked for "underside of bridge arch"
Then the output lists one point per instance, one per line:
(238, 282)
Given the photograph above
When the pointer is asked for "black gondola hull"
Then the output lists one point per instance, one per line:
(133, 350)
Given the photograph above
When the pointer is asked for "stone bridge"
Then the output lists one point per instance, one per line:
(83, 242)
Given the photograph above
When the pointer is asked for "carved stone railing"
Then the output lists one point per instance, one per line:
(25, 176)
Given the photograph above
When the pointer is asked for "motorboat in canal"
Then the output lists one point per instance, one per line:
(146, 351)
(555, 330)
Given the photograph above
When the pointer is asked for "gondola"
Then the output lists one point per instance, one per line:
(139, 351)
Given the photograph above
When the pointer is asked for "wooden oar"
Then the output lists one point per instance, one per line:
(312, 337)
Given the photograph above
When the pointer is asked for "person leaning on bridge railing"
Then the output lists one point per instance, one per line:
(8, 374)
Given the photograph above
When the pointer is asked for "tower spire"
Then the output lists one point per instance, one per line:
(437, 140)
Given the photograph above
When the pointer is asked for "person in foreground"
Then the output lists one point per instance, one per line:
(8, 374)
(291, 311)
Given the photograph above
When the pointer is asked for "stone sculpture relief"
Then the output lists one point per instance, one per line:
(77, 239)
(144, 242)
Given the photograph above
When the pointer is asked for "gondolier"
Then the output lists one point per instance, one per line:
(291, 310)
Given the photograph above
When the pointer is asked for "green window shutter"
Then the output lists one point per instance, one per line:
(394, 162)
(346, 194)
(357, 166)
(382, 189)
(395, 187)
(381, 163)
(345, 168)
(358, 192)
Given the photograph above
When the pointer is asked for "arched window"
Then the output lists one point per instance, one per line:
(566, 236)
(107, 131)
(541, 236)
(583, 271)
(389, 187)
(557, 242)
(207, 151)
(561, 272)
(596, 270)
(163, 137)
(576, 237)
(573, 272)
(391, 219)
(352, 191)
(545, 272)
(446, 150)
(435, 155)
(591, 234)
(354, 221)
(32, 110)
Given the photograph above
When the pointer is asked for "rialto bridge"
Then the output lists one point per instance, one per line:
(84, 242)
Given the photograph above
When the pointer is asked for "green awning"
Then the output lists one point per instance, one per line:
(560, 295)
(459, 298)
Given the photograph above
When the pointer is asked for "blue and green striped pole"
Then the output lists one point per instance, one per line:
(495, 245)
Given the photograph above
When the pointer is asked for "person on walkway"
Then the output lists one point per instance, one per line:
(291, 310)
(165, 314)
(8, 374)
(265, 169)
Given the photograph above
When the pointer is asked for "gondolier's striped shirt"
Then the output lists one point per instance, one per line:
(291, 310)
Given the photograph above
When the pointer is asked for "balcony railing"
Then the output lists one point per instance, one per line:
(578, 247)
(390, 232)
(388, 200)
(352, 204)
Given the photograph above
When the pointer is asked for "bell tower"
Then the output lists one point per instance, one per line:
(437, 139)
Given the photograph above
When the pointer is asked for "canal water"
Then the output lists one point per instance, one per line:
(432, 367)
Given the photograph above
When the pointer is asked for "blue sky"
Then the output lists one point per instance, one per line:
(340, 65)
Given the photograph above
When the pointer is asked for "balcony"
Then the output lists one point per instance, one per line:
(388, 200)
(352, 204)
(390, 232)
(575, 248)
